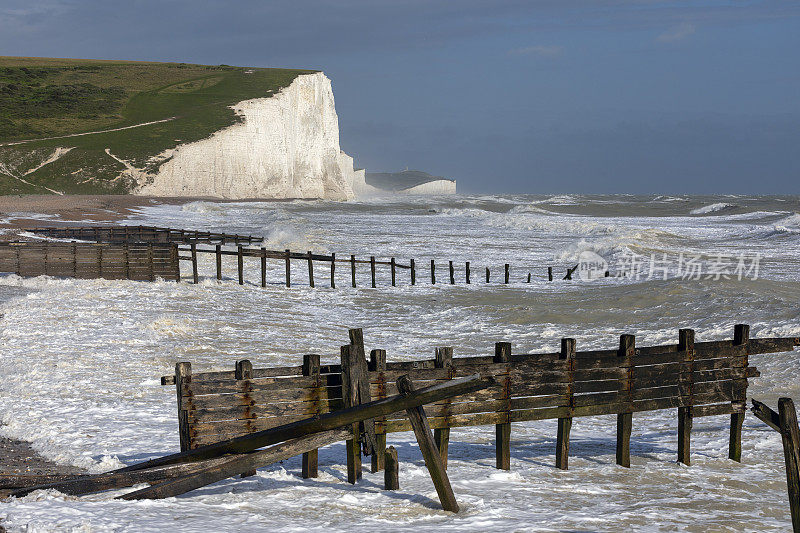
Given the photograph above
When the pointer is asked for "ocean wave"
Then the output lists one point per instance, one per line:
(713, 208)
(201, 206)
(669, 199)
(560, 199)
(790, 224)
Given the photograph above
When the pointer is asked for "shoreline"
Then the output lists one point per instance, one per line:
(21, 212)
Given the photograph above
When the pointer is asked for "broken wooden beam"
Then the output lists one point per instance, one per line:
(433, 461)
(324, 422)
(236, 465)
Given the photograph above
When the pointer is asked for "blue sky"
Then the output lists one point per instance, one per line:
(505, 96)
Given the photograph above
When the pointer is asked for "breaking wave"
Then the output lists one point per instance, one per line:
(713, 208)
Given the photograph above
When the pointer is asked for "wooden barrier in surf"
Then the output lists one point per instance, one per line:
(698, 379)
(190, 239)
(133, 261)
(119, 234)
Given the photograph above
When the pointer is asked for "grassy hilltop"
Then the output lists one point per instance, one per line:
(43, 99)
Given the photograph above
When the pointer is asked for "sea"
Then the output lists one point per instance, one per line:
(82, 359)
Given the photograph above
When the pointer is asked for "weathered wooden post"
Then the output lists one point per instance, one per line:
(391, 476)
(452, 274)
(150, 264)
(263, 267)
(565, 423)
(433, 272)
(288, 268)
(686, 344)
(444, 359)
(244, 370)
(310, 458)
(502, 354)
(350, 399)
(127, 260)
(422, 430)
(507, 273)
(466, 272)
(195, 276)
(413, 273)
(353, 269)
(549, 273)
(487, 274)
(310, 270)
(392, 264)
(627, 350)
(529, 277)
(218, 253)
(183, 376)
(372, 269)
(240, 263)
(790, 435)
(741, 337)
(333, 270)
(377, 363)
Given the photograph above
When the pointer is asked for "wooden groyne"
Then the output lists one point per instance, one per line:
(119, 234)
(231, 423)
(697, 378)
(190, 247)
(88, 260)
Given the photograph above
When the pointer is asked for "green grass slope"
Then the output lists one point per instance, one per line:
(45, 102)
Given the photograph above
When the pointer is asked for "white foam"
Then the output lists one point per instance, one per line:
(712, 208)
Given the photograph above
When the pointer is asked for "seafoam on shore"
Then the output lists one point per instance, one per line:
(82, 360)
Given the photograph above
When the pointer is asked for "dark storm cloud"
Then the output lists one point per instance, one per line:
(518, 95)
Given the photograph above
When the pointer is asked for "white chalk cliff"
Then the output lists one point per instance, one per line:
(285, 146)
(432, 187)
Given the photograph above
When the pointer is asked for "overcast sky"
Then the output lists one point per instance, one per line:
(505, 96)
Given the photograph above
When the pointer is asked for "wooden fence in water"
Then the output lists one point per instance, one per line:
(134, 261)
(119, 234)
(453, 271)
(697, 378)
(189, 251)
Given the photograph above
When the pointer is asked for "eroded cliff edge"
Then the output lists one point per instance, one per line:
(285, 146)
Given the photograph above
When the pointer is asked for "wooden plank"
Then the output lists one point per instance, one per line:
(565, 423)
(237, 464)
(288, 268)
(350, 393)
(741, 337)
(377, 363)
(686, 344)
(333, 271)
(444, 360)
(248, 385)
(311, 458)
(194, 263)
(323, 422)
(330, 395)
(502, 354)
(766, 415)
(627, 350)
(244, 370)
(183, 376)
(427, 446)
(790, 435)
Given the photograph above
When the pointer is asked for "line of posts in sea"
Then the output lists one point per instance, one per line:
(309, 257)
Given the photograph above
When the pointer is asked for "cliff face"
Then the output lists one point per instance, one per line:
(286, 146)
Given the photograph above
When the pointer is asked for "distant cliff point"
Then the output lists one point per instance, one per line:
(411, 182)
